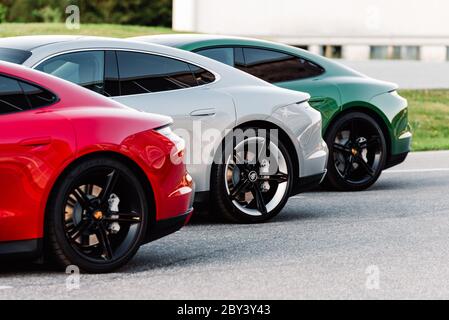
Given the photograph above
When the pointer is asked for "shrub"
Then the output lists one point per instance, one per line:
(3, 13)
(48, 14)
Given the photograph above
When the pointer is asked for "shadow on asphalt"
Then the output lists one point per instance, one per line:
(161, 259)
(24, 268)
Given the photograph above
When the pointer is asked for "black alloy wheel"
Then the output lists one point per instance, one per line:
(254, 181)
(99, 216)
(357, 153)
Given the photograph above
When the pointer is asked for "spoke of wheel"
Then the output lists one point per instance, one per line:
(279, 178)
(263, 147)
(246, 152)
(342, 148)
(365, 166)
(78, 230)
(125, 218)
(354, 134)
(111, 182)
(374, 141)
(239, 188)
(239, 162)
(89, 189)
(348, 167)
(104, 240)
(232, 166)
(260, 202)
(82, 198)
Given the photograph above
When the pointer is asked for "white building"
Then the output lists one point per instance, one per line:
(349, 29)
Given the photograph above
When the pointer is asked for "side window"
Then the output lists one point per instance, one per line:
(14, 55)
(18, 96)
(201, 76)
(223, 55)
(273, 66)
(37, 97)
(147, 73)
(12, 98)
(83, 68)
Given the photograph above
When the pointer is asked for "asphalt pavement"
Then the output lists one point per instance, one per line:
(391, 242)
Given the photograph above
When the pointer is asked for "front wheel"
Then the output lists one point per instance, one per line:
(357, 153)
(97, 216)
(253, 182)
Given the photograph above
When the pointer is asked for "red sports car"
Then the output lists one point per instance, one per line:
(84, 181)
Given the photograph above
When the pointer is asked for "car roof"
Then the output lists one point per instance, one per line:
(30, 43)
(180, 40)
(50, 42)
(200, 40)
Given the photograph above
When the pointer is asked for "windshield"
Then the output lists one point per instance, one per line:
(14, 55)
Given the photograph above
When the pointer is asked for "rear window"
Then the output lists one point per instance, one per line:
(14, 55)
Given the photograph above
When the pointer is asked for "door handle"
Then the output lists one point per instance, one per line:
(204, 113)
(35, 142)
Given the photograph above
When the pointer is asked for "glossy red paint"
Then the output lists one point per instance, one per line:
(36, 146)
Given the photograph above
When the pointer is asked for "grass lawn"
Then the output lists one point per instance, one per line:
(429, 118)
(106, 30)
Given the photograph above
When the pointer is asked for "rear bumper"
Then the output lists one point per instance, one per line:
(307, 183)
(401, 145)
(162, 228)
(27, 249)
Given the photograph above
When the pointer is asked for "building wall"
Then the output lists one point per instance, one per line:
(353, 24)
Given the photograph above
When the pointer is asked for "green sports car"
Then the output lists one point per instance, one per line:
(365, 120)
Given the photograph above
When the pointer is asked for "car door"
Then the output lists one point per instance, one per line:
(159, 84)
(34, 143)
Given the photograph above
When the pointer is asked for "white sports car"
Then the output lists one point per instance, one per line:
(250, 145)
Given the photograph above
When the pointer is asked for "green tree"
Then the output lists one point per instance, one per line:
(3, 13)
(141, 12)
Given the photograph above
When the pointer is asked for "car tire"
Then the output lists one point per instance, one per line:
(81, 199)
(357, 153)
(224, 206)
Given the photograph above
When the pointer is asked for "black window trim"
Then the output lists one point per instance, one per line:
(216, 75)
(266, 49)
(31, 83)
(114, 52)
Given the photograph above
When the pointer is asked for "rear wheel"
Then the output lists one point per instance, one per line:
(357, 153)
(253, 182)
(97, 216)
